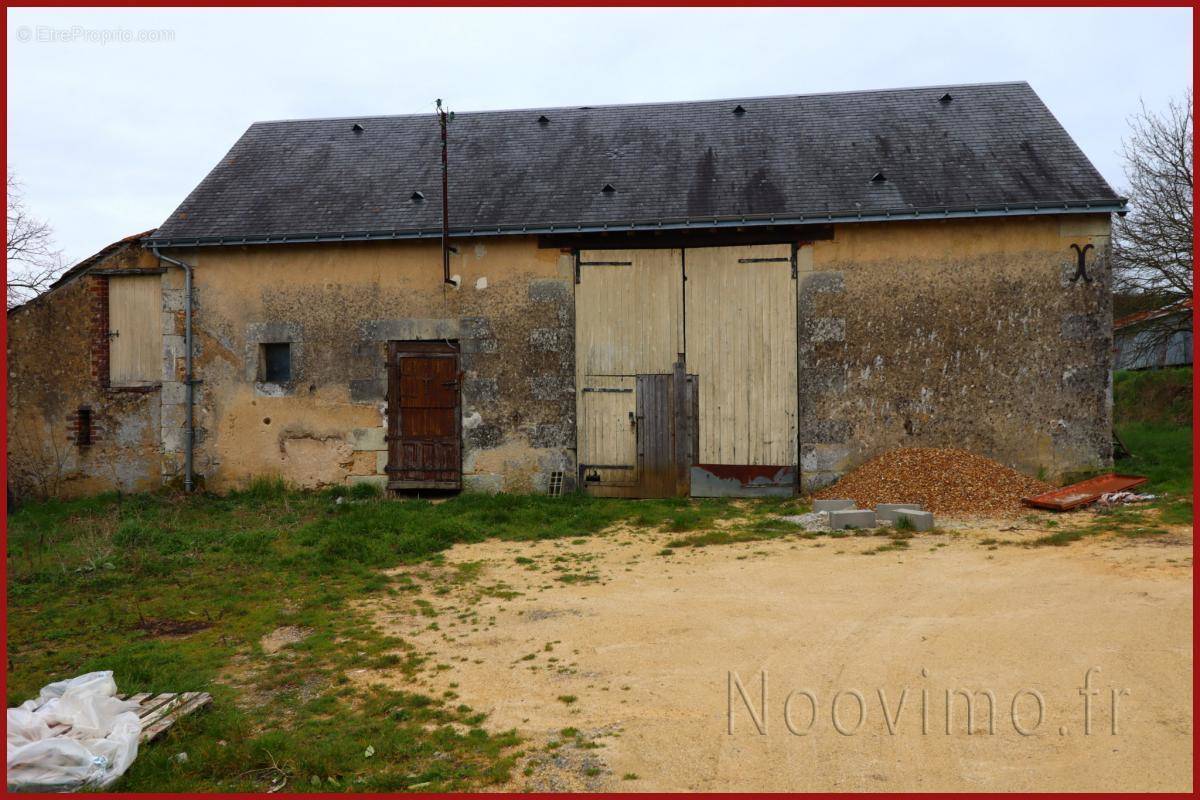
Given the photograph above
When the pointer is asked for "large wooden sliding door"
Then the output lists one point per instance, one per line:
(686, 371)
(741, 340)
(628, 341)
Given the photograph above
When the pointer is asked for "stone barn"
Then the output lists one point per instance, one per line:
(732, 297)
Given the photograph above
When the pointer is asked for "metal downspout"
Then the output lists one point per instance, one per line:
(189, 378)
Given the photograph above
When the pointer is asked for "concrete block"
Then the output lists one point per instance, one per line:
(473, 346)
(549, 290)
(828, 329)
(481, 390)
(173, 346)
(921, 520)
(548, 339)
(483, 436)
(173, 393)
(887, 511)
(832, 505)
(173, 300)
(483, 483)
(824, 431)
(851, 519)
(368, 439)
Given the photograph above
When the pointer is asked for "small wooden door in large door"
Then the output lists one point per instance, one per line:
(666, 422)
(424, 416)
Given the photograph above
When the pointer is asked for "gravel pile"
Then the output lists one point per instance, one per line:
(943, 480)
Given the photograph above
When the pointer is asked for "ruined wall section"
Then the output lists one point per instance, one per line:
(69, 433)
(338, 306)
(966, 333)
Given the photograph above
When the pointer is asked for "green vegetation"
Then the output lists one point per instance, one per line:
(1161, 452)
(1159, 396)
(754, 531)
(175, 593)
(1153, 411)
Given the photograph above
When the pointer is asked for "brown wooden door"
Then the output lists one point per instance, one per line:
(424, 416)
(665, 433)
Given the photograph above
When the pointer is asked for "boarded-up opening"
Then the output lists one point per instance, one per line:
(424, 416)
(135, 353)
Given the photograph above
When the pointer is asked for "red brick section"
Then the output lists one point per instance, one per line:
(73, 428)
(99, 293)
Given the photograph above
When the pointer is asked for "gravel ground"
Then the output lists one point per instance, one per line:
(943, 480)
(645, 653)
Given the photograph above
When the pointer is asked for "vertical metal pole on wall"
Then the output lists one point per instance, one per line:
(443, 119)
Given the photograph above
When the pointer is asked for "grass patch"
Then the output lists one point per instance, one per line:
(756, 530)
(173, 593)
(1132, 522)
(1163, 453)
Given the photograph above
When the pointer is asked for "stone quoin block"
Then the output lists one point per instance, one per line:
(832, 505)
(921, 520)
(855, 518)
(886, 512)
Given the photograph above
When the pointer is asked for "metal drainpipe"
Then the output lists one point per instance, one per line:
(189, 381)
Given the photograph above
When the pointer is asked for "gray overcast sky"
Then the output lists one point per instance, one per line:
(108, 138)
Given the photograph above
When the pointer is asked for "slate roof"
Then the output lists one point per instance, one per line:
(990, 149)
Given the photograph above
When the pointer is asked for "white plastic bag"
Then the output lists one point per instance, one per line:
(97, 749)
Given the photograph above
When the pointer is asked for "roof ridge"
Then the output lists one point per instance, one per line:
(604, 106)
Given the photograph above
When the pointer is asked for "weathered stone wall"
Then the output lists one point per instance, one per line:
(965, 333)
(338, 306)
(57, 365)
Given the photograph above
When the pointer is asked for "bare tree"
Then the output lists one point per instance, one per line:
(33, 260)
(1152, 244)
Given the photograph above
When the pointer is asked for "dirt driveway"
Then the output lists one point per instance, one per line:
(632, 651)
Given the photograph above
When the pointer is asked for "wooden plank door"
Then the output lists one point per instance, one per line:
(740, 307)
(424, 416)
(656, 435)
(666, 424)
(608, 435)
(135, 353)
(628, 322)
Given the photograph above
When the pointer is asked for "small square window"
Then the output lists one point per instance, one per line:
(276, 362)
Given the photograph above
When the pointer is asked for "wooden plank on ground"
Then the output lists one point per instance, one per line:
(157, 713)
(192, 702)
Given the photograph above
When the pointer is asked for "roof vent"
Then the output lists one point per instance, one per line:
(543, 120)
(878, 177)
(945, 99)
(608, 189)
(357, 128)
(417, 197)
(739, 111)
